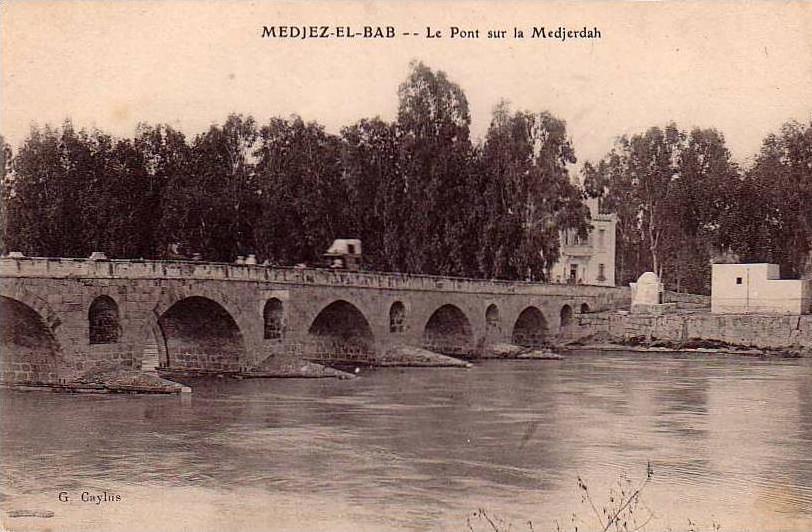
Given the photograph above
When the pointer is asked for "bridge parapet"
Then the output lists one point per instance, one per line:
(70, 268)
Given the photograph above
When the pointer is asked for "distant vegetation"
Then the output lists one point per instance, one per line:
(419, 193)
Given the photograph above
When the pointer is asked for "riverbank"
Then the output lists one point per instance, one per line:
(694, 331)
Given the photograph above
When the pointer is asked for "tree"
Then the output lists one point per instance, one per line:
(702, 194)
(5, 191)
(303, 195)
(673, 193)
(529, 196)
(167, 160)
(376, 192)
(435, 152)
(774, 203)
(210, 204)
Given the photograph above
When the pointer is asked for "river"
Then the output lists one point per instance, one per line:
(729, 440)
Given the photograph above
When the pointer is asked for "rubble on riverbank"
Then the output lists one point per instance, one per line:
(110, 380)
(512, 351)
(502, 350)
(280, 366)
(408, 356)
(540, 354)
(604, 342)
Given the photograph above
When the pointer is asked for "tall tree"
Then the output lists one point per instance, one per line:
(529, 196)
(435, 150)
(672, 191)
(376, 192)
(777, 195)
(167, 158)
(303, 194)
(5, 190)
(213, 204)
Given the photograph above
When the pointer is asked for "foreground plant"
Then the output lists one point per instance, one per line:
(623, 511)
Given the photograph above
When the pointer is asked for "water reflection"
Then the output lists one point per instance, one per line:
(730, 440)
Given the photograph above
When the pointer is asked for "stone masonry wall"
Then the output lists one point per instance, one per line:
(747, 330)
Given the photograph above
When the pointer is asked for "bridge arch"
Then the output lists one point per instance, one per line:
(448, 331)
(201, 335)
(340, 332)
(38, 304)
(530, 329)
(29, 350)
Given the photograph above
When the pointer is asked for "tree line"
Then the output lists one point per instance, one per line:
(682, 203)
(419, 193)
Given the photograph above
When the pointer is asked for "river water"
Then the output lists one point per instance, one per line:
(729, 440)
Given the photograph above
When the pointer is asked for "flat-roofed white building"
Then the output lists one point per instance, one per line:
(757, 289)
(590, 260)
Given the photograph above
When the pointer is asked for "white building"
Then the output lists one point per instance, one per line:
(757, 289)
(590, 260)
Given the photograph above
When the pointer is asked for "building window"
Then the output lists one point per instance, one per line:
(274, 319)
(601, 238)
(738, 280)
(103, 321)
(601, 272)
(397, 317)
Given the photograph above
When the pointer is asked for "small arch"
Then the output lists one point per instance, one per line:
(104, 326)
(493, 321)
(449, 332)
(397, 317)
(584, 308)
(566, 315)
(341, 332)
(274, 318)
(530, 329)
(492, 315)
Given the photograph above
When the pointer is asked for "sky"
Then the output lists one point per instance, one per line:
(742, 68)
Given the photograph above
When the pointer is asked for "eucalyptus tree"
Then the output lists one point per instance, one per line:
(209, 203)
(529, 196)
(303, 196)
(672, 191)
(376, 192)
(435, 152)
(777, 198)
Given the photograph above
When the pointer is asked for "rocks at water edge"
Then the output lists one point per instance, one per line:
(291, 366)
(541, 354)
(516, 351)
(123, 380)
(404, 355)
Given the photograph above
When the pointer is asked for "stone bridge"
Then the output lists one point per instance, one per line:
(63, 316)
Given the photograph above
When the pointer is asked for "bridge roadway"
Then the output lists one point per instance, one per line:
(65, 316)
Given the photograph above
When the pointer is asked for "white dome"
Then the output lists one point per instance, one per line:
(648, 278)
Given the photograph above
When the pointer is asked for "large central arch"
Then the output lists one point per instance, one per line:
(530, 329)
(29, 353)
(340, 332)
(449, 332)
(201, 335)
